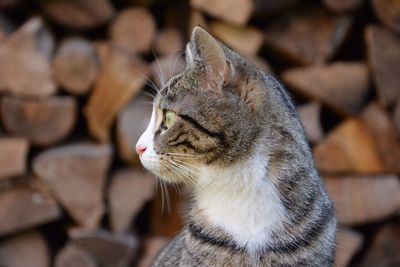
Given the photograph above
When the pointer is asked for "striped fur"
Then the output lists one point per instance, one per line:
(236, 137)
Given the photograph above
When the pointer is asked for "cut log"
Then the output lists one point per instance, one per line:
(244, 40)
(134, 29)
(307, 36)
(29, 203)
(349, 242)
(385, 247)
(388, 12)
(397, 117)
(152, 247)
(76, 175)
(121, 77)
(236, 12)
(343, 5)
(361, 200)
(79, 14)
(384, 62)
(13, 155)
(129, 191)
(341, 86)
(25, 61)
(349, 148)
(26, 249)
(106, 249)
(72, 256)
(310, 117)
(43, 122)
(164, 68)
(384, 132)
(131, 123)
(169, 42)
(75, 65)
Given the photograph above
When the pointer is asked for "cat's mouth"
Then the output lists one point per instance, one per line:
(172, 167)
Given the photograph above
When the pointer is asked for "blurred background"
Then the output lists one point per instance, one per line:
(75, 79)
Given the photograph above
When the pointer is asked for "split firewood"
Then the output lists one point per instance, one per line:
(29, 203)
(134, 29)
(79, 14)
(384, 132)
(106, 249)
(244, 40)
(385, 247)
(349, 148)
(122, 75)
(73, 256)
(349, 242)
(343, 5)
(42, 121)
(310, 117)
(75, 65)
(236, 12)
(361, 200)
(307, 36)
(196, 18)
(26, 249)
(169, 42)
(13, 156)
(384, 62)
(151, 248)
(33, 36)
(388, 11)
(76, 174)
(396, 117)
(129, 191)
(164, 68)
(131, 123)
(25, 61)
(341, 86)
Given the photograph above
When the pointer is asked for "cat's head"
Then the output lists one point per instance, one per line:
(206, 116)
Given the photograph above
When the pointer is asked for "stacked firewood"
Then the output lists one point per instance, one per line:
(74, 83)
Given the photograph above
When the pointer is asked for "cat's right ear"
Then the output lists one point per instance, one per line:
(204, 50)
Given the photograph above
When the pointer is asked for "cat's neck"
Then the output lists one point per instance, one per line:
(242, 201)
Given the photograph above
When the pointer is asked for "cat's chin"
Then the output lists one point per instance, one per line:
(163, 174)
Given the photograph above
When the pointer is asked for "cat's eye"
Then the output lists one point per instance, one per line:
(169, 119)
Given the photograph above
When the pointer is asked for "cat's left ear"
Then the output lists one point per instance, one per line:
(205, 51)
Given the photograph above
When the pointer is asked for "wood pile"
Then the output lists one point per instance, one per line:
(74, 83)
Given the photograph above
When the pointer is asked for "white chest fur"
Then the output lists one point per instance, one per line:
(242, 201)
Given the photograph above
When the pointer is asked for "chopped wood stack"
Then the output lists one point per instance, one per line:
(74, 83)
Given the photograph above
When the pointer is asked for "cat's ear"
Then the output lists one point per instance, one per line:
(204, 50)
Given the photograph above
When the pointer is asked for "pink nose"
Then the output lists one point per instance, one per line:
(140, 150)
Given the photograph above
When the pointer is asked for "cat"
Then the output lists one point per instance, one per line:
(233, 132)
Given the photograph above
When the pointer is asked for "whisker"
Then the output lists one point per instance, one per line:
(159, 70)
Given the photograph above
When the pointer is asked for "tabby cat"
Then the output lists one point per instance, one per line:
(233, 132)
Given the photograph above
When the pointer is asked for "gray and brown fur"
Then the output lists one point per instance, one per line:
(225, 116)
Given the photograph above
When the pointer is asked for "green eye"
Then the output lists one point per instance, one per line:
(169, 118)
